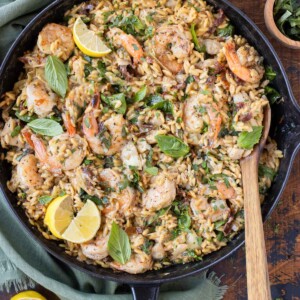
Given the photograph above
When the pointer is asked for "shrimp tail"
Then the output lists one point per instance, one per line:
(27, 135)
(71, 129)
(43, 156)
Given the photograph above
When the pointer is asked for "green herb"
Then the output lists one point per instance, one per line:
(114, 101)
(46, 127)
(172, 146)
(62, 193)
(88, 69)
(124, 131)
(56, 75)
(24, 153)
(123, 184)
(135, 181)
(202, 109)
(266, 171)
(199, 48)
(184, 221)
(287, 18)
(247, 140)
(193, 254)
(45, 199)
(101, 68)
(160, 213)
(141, 94)
(199, 240)
(220, 237)
(146, 246)
(272, 94)
(84, 196)
(270, 73)
(226, 31)
(118, 244)
(16, 131)
(179, 120)
(106, 14)
(190, 79)
(157, 102)
(26, 118)
(205, 92)
(195, 167)
(130, 24)
(152, 170)
(220, 223)
(87, 162)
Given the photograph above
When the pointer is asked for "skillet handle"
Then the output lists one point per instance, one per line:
(145, 292)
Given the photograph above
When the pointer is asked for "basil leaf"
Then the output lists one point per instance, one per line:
(199, 48)
(118, 244)
(266, 171)
(152, 170)
(272, 94)
(56, 75)
(45, 199)
(157, 102)
(25, 118)
(270, 73)
(247, 140)
(46, 127)
(226, 31)
(114, 102)
(172, 146)
(141, 94)
(84, 196)
(16, 131)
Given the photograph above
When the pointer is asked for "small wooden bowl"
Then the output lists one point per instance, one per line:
(270, 23)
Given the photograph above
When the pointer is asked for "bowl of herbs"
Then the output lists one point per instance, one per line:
(282, 19)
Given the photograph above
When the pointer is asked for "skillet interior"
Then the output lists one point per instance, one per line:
(285, 130)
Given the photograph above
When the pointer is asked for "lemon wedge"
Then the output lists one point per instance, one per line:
(85, 225)
(28, 295)
(59, 215)
(88, 41)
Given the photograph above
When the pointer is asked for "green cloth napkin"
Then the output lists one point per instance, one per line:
(24, 262)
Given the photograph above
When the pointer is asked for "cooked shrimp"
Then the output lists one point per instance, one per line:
(71, 129)
(7, 136)
(192, 116)
(158, 252)
(87, 178)
(237, 62)
(161, 193)
(27, 172)
(55, 39)
(40, 98)
(127, 41)
(226, 192)
(69, 151)
(215, 121)
(108, 139)
(41, 153)
(171, 40)
(216, 210)
(75, 103)
(97, 248)
(130, 156)
(138, 263)
(193, 110)
(125, 198)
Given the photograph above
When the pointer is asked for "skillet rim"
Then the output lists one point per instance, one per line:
(122, 276)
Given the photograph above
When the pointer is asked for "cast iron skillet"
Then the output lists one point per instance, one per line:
(285, 130)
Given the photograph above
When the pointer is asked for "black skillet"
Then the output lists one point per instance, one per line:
(285, 130)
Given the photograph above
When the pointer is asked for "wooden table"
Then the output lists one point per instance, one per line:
(282, 230)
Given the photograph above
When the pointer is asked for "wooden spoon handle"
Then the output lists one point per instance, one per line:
(256, 261)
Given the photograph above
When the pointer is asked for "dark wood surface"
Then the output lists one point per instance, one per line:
(282, 230)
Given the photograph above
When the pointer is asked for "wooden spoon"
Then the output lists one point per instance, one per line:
(256, 261)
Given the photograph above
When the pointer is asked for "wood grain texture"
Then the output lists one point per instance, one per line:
(282, 230)
(258, 285)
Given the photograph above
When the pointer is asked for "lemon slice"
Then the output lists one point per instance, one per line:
(28, 295)
(88, 41)
(85, 225)
(59, 215)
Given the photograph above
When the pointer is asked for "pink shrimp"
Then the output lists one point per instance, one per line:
(127, 41)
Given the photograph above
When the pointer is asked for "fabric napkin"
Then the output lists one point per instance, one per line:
(23, 262)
